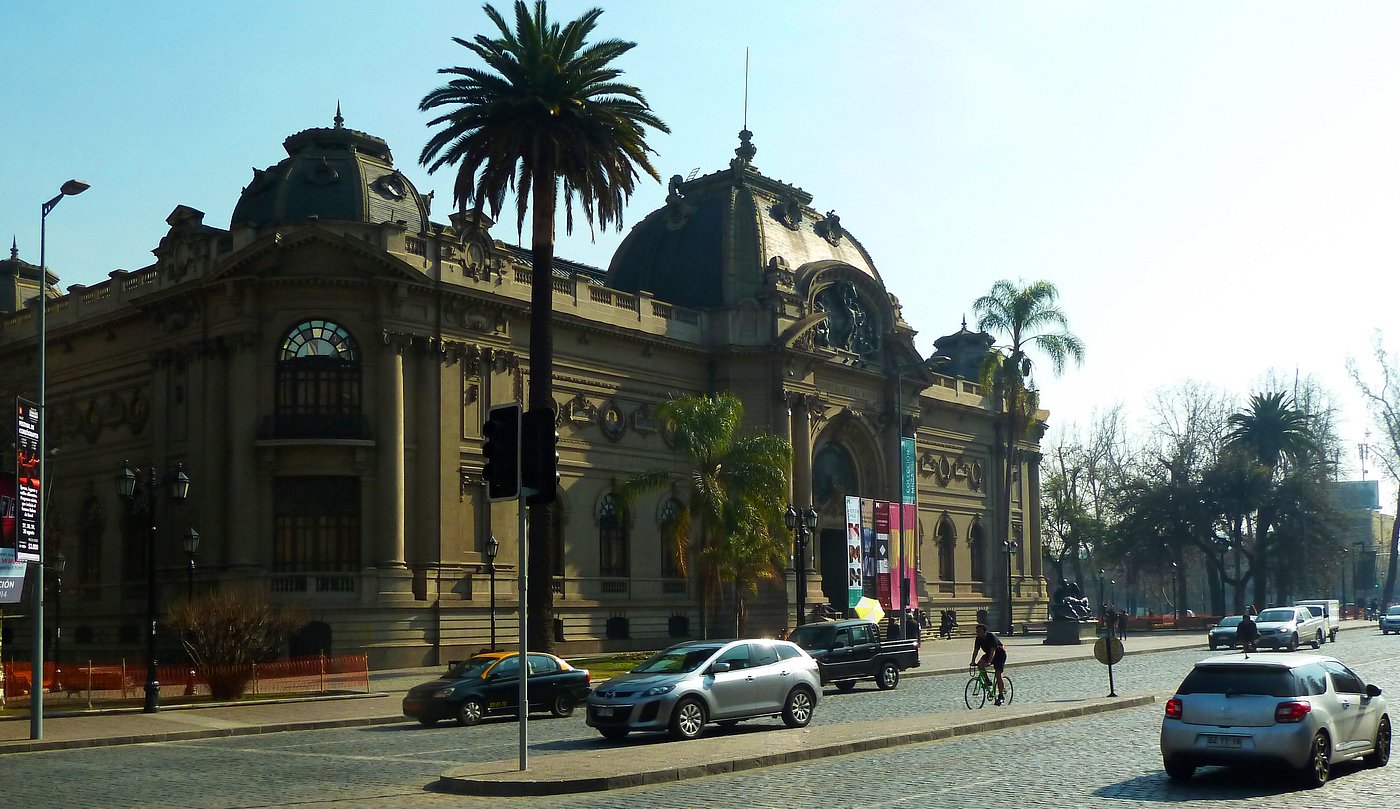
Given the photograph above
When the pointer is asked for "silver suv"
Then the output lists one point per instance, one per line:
(1303, 710)
(691, 684)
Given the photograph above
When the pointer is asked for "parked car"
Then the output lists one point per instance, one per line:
(1223, 633)
(489, 683)
(1390, 620)
(692, 684)
(848, 651)
(1303, 710)
(1329, 610)
(1286, 627)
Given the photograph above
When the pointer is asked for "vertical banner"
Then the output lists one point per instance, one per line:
(906, 470)
(867, 547)
(27, 482)
(896, 558)
(909, 525)
(9, 514)
(882, 553)
(855, 586)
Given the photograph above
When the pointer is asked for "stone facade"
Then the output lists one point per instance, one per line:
(323, 366)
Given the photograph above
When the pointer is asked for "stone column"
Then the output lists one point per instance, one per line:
(390, 442)
(242, 504)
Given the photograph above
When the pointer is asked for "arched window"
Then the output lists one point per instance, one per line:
(833, 474)
(670, 517)
(976, 542)
(318, 380)
(946, 547)
(612, 537)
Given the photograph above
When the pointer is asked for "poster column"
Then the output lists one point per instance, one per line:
(855, 586)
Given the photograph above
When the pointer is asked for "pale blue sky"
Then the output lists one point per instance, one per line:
(1212, 185)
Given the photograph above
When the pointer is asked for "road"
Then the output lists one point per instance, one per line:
(1098, 761)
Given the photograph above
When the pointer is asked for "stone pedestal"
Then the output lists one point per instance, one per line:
(1070, 633)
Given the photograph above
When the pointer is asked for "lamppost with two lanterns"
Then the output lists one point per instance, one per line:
(801, 525)
(493, 547)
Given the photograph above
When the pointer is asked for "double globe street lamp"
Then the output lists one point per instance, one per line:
(801, 525)
(493, 547)
(1011, 546)
(179, 484)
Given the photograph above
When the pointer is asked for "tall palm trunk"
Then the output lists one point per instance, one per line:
(1259, 565)
(540, 568)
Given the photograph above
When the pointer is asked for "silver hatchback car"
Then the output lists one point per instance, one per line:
(1303, 710)
(691, 684)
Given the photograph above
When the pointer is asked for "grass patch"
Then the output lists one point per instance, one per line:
(605, 667)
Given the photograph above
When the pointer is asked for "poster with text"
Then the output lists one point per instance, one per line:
(867, 547)
(855, 586)
(9, 515)
(27, 482)
(882, 553)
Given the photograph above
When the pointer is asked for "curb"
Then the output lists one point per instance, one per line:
(500, 779)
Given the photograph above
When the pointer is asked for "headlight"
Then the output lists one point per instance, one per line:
(658, 690)
(442, 693)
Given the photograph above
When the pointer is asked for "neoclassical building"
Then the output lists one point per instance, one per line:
(322, 366)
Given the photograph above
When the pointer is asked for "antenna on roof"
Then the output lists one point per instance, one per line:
(691, 175)
(746, 88)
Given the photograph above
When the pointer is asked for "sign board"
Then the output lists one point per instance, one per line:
(27, 480)
(11, 578)
(908, 471)
(855, 586)
(1106, 653)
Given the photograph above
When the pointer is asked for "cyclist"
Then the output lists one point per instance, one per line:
(993, 654)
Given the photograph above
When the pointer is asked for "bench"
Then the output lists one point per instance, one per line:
(1036, 627)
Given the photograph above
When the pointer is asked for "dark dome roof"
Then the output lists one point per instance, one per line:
(335, 174)
(708, 246)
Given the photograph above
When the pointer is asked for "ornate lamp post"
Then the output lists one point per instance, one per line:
(800, 525)
(1346, 552)
(1011, 546)
(191, 543)
(493, 547)
(36, 695)
(179, 482)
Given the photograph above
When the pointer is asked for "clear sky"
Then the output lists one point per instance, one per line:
(1213, 187)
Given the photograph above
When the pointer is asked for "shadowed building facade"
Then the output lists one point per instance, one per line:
(323, 365)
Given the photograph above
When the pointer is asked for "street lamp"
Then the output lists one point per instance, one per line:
(1346, 552)
(58, 565)
(1176, 595)
(1102, 603)
(800, 524)
(493, 547)
(36, 695)
(191, 543)
(1010, 546)
(179, 483)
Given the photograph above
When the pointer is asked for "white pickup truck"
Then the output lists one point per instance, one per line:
(1287, 627)
(1330, 610)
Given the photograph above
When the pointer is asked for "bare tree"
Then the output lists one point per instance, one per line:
(1383, 400)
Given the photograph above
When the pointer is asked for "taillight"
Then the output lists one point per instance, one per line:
(1292, 711)
(1173, 708)
(587, 677)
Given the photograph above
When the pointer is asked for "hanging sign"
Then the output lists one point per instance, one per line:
(27, 481)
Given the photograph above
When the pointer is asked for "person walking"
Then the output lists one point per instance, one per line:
(1248, 631)
(1122, 624)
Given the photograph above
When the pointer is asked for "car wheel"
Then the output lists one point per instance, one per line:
(888, 676)
(427, 722)
(1317, 642)
(562, 705)
(845, 685)
(1380, 751)
(471, 712)
(797, 711)
(613, 734)
(688, 719)
(1332, 636)
(1178, 771)
(1293, 643)
(1319, 766)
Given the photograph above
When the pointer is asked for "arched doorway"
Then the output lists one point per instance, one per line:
(834, 477)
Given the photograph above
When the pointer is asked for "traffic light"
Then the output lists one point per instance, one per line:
(539, 456)
(500, 450)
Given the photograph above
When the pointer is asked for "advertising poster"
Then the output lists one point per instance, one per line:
(9, 515)
(896, 564)
(867, 547)
(909, 525)
(27, 481)
(11, 577)
(856, 586)
(882, 553)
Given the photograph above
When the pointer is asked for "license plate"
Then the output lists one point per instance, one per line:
(603, 710)
(1225, 741)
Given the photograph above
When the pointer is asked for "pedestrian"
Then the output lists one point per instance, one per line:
(1122, 624)
(1247, 631)
(1374, 608)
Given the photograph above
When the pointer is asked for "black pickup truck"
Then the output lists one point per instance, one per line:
(847, 651)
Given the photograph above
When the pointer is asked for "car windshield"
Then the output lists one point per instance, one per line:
(1278, 614)
(1393, 611)
(1272, 681)
(813, 636)
(686, 658)
(470, 668)
(1229, 620)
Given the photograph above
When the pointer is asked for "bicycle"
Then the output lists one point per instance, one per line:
(981, 682)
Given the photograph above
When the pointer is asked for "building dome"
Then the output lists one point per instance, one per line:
(334, 174)
(710, 243)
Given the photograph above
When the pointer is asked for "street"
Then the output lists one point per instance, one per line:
(1096, 761)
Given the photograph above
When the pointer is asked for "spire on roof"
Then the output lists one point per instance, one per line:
(14, 248)
(746, 150)
(339, 121)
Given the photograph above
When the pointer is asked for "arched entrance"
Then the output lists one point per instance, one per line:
(834, 477)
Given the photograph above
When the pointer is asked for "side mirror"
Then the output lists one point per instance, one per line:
(840, 644)
(1373, 690)
(720, 667)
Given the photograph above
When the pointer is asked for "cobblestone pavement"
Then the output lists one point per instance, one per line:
(1098, 761)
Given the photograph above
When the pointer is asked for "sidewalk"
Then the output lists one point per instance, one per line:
(68, 729)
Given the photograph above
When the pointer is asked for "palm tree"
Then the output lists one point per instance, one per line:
(1271, 432)
(546, 107)
(1029, 318)
(735, 495)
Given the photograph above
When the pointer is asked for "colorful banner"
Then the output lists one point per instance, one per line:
(27, 481)
(907, 470)
(9, 515)
(867, 547)
(882, 553)
(908, 527)
(11, 577)
(855, 587)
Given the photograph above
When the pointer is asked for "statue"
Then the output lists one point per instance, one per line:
(1068, 603)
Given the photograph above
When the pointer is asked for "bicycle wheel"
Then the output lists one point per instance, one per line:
(973, 694)
(1010, 693)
